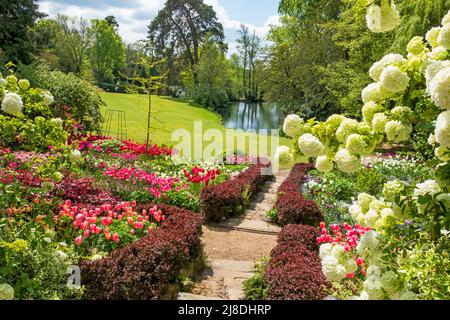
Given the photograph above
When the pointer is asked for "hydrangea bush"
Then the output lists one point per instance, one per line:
(409, 212)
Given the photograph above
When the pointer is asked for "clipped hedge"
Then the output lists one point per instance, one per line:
(147, 269)
(295, 271)
(231, 198)
(291, 206)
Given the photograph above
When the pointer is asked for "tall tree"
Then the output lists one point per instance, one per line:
(16, 18)
(71, 43)
(107, 50)
(180, 28)
(212, 75)
(112, 21)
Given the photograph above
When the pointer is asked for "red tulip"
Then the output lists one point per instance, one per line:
(78, 241)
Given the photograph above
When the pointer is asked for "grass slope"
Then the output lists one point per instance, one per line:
(168, 116)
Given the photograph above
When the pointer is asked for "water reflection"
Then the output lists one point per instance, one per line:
(251, 116)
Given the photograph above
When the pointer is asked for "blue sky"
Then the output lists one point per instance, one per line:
(134, 15)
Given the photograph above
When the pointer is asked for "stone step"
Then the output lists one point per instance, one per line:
(251, 225)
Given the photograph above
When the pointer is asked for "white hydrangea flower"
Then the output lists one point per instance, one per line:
(393, 80)
(372, 93)
(401, 113)
(324, 164)
(356, 144)
(332, 269)
(416, 46)
(438, 53)
(379, 122)
(369, 110)
(442, 132)
(310, 145)
(429, 187)
(293, 126)
(446, 18)
(24, 84)
(391, 59)
(364, 200)
(444, 36)
(3, 82)
(346, 162)
(439, 89)
(364, 128)
(12, 80)
(369, 219)
(283, 157)
(397, 132)
(6, 292)
(378, 205)
(391, 283)
(334, 121)
(12, 104)
(325, 250)
(432, 36)
(347, 127)
(355, 211)
(75, 155)
(442, 153)
(392, 189)
(408, 296)
(368, 243)
(434, 68)
(432, 140)
(382, 18)
(415, 62)
(57, 121)
(47, 99)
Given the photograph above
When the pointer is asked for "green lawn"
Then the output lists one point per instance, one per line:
(168, 116)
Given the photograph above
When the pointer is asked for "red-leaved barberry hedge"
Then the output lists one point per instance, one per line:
(148, 268)
(231, 198)
(295, 271)
(291, 206)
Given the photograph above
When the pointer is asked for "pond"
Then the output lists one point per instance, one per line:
(251, 116)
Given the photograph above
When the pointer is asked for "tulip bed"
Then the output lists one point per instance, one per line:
(101, 204)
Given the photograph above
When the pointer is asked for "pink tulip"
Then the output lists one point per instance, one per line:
(78, 241)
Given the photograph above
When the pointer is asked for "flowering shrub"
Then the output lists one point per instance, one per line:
(233, 196)
(146, 269)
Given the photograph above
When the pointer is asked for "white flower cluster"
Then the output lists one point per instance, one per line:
(429, 187)
(75, 155)
(346, 162)
(336, 263)
(442, 132)
(372, 213)
(397, 131)
(382, 18)
(283, 157)
(310, 145)
(47, 99)
(392, 189)
(6, 292)
(293, 125)
(12, 104)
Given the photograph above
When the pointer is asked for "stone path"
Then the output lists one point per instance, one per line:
(232, 247)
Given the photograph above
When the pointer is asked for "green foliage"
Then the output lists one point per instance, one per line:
(107, 51)
(16, 17)
(74, 97)
(255, 287)
(33, 263)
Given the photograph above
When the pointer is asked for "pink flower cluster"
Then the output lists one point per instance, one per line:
(98, 221)
(346, 236)
(199, 175)
(154, 150)
(157, 185)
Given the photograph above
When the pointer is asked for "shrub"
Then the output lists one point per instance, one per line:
(295, 178)
(296, 276)
(74, 97)
(305, 235)
(146, 269)
(231, 198)
(292, 208)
